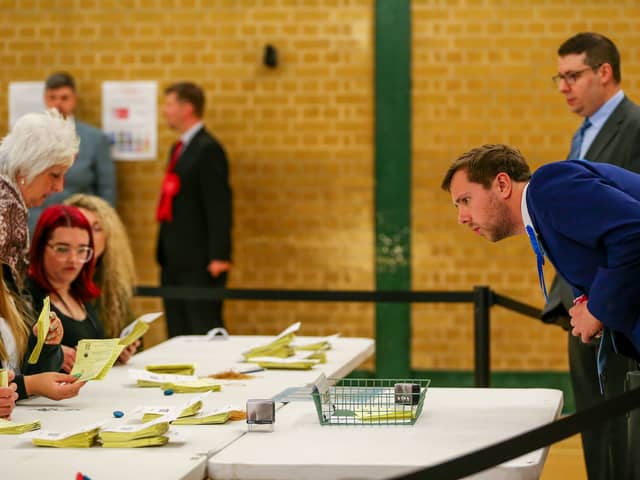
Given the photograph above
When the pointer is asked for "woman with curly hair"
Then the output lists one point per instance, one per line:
(115, 270)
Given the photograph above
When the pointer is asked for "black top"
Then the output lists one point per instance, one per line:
(74, 330)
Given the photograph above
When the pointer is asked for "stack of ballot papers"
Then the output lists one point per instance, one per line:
(189, 408)
(42, 327)
(193, 386)
(144, 378)
(94, 358)
(82, 437)
(137, 328)
(8, 427)
(299, 361)
(173, 368)
(212, 417)
(140, 435)
(279, 347)
(315, 345)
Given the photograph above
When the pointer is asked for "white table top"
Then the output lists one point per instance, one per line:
(98, 399)
(453, 422)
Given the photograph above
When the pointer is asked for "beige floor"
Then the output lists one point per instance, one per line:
(564, 461)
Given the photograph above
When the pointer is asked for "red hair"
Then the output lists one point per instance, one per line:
(82, 288)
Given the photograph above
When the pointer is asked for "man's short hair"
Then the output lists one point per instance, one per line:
(59, 80)
(597, 48)
(484, 163)
(188, 92)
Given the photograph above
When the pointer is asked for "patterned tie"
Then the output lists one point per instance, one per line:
(537, 248)
(170, 186)
(576, 141)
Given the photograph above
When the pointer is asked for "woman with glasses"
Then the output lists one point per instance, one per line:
(115, 271)
(61, 266)
(34, 157)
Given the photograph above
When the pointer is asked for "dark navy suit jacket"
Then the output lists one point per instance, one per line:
(587, 216)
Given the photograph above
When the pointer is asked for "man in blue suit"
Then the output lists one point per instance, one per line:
(584, 217)
(93, 171)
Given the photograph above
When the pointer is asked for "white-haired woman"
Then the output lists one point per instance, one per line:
(34, 157)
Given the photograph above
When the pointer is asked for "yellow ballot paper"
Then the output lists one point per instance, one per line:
(278, 347)
(317, 344)
(94, 358)
(295, 362)
(8, 427)
(189, 408)
(172, 368)
(4, 378)
(137, 328)
(42, 326)
(144, 378)
(82, 437)
(205, 418)
(138, 442)
(140, 435)
(193, 386)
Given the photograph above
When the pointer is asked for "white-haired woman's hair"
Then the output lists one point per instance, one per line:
(37, 142)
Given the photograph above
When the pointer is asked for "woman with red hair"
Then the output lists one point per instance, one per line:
(61, 265)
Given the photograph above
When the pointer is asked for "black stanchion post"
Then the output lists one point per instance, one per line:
(481, 314)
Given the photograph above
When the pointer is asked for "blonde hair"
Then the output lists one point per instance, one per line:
(16, 321)
(38, 141)
(115, 270)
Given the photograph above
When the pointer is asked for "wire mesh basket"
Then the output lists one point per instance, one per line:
(370, 401)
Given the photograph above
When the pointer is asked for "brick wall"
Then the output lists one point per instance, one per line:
(300, 140)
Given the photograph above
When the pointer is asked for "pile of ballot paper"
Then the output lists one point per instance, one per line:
(131, 436)
(82, 437)
(205, 418)
(191, 407)
(9, 427)
(173, 368)
(279, 347)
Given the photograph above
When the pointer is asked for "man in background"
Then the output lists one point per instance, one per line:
(589, 78)
(194, 212)
(93, 170)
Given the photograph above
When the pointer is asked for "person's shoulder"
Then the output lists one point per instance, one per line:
(88, 131)
(629, 108)
(206, 140)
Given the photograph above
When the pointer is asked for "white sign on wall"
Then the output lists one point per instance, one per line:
(25, 97)
(130, 119)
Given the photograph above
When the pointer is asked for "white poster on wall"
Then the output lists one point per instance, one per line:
(25, 97)
(130, 119)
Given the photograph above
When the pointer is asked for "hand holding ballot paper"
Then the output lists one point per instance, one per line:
(48, 329)
(8, 395)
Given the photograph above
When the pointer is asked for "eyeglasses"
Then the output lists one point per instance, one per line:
(570, 78)
(64, 251)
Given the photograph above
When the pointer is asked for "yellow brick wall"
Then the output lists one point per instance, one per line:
(300, 140)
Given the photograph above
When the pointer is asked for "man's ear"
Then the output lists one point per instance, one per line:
(606, 73)
(503, 184)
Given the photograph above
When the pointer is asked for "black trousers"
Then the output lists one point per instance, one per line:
(605, 446)
(192, 317)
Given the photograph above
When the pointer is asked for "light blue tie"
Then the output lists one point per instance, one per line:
(539, 251)
(576, 141)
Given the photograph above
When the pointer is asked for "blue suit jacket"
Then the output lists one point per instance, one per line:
(92, 171)
(587, 216)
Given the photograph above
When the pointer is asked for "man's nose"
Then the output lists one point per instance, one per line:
(463, 216)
